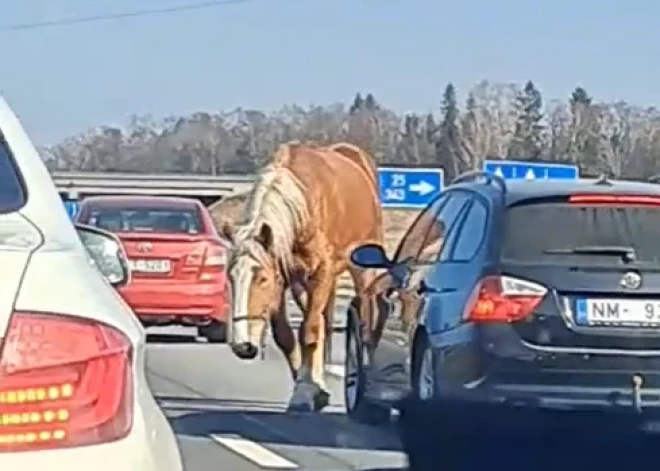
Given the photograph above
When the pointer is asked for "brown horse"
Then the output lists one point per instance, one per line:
(309, 208)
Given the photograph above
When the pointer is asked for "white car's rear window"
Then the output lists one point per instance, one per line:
(12, 191)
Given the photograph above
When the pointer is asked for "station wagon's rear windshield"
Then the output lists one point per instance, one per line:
(147, 220)
(582, 234)
(12, 194)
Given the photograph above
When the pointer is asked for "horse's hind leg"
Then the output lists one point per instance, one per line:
(285, 339)
(361, 280)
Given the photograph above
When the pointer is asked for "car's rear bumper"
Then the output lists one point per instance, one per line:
(178, 303)
(572, 389)
(149, 447)
(119, 456)
(527, 374)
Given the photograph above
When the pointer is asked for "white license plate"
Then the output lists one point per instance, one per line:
(617, 312)
(150, 266)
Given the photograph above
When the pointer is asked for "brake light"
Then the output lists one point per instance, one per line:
(64, 382)
(504, 299)
(210, 259)
(638, 200)
(216, 256)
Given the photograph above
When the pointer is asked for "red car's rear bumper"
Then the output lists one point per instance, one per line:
(163, 302)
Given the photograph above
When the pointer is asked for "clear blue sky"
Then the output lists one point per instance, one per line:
(272, 52)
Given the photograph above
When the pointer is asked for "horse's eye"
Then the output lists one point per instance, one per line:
(261, 279)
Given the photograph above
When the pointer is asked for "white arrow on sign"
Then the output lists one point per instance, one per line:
(423, 188)
(499, 173)
(530, 175)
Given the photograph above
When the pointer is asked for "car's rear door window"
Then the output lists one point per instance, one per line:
(12, 192)
(147, 220)
(582, 234)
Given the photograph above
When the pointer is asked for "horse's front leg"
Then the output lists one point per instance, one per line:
(311, 392)
(285, 339)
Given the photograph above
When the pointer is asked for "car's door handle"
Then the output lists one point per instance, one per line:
(424, 288)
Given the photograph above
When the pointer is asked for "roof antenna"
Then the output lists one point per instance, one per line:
(603, 180)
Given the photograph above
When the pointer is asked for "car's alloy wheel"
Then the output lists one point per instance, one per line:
(426, 376)
(358, 407)
(352, 372)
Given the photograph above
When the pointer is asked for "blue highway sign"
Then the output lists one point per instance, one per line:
(409, 188)
(516, 170)
(72, 208)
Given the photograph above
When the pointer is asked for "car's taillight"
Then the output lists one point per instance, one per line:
(503, 299)
(216, 257)
(64, 382)
(208, 259)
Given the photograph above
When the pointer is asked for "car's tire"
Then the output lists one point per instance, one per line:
(423, 372)
(215, 332)
(358, 406)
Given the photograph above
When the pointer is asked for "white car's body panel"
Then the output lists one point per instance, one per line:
(45, 267)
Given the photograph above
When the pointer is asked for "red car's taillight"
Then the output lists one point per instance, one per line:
(503, 299)
(208, 259)
(64, 382)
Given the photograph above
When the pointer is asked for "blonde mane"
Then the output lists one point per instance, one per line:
(277, 199)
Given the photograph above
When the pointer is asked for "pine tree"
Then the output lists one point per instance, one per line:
(527, 142)
(358, 104)
(370, 103)
(583, 143)
(448, 149)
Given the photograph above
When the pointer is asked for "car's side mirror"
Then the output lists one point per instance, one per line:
(106, 253)
(370, 256)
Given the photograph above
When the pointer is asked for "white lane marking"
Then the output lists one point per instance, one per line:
(254, 452)
(335, 370)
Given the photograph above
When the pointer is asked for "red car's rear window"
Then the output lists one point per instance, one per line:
(146, 220)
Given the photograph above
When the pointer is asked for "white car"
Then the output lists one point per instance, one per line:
(73, 389)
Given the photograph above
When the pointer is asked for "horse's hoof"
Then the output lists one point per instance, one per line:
(300, 407)
(308, 397)
(302, 399)
(321, 400)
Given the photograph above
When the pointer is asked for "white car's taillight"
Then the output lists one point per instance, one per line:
(64, 382)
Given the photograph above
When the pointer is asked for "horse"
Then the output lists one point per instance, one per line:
(309, 208)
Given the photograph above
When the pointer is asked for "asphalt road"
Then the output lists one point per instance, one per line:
(230, 414)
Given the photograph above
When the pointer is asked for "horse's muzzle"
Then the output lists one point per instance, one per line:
(245, 351)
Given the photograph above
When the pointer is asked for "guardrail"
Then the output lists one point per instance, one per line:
(83, 183)
(345, 287)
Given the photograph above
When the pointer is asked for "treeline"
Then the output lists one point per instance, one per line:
(496, 121)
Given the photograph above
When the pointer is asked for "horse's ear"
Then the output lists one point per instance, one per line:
(227, 231)
(265, 236)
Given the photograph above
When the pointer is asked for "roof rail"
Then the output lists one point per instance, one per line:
(654, 179)
(476, 174)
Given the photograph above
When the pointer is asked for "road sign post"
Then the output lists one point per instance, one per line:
(518, 170)
(409, 188)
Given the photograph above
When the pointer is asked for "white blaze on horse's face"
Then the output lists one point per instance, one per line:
(241, 274)
(257, 292)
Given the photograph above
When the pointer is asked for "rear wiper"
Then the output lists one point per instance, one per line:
(628, 253)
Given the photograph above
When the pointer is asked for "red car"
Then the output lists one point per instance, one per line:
(177, 259)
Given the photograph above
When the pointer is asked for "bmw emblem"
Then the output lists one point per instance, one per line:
(631, 280)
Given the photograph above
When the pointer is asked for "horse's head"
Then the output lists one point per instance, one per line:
(257, 285)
